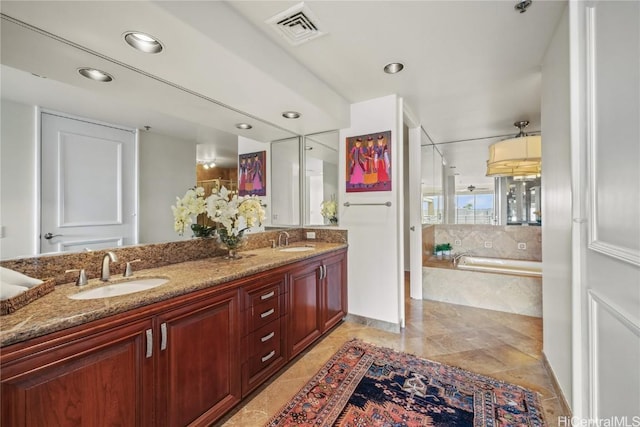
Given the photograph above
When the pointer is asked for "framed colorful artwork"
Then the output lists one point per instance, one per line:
(369, 162)
(252, 174)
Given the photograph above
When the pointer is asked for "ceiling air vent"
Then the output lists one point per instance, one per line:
(296, 24)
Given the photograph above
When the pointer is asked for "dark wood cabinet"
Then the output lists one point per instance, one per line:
(199, 361)
(305, 325)
(263, 338)
(317, 299)
(184, 361)
(334, 290)
(103, 379)
(175, 368)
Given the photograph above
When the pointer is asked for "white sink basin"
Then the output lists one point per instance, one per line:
(122, 288)
(297, 249)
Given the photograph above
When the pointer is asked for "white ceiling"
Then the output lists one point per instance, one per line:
(472, 68)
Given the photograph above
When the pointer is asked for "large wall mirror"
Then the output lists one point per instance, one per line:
(176, 128)
(456, 190)
(321, 174)
(285, 182)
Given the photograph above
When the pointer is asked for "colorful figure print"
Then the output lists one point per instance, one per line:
(368, 168)
(252, 173)
(357, 157)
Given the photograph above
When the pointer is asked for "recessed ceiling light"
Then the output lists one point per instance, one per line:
(393, 67)
(143, 42)
(244, 126)
(94, 74)
(290, 114)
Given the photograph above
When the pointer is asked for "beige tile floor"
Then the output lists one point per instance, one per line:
(500, 345)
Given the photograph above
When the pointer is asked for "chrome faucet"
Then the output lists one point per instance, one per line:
(286, 238)
(108, 257)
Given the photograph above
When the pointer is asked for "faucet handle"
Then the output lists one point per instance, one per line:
(128, 271)
(82, 276)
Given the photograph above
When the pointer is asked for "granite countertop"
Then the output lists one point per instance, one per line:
(55, 311)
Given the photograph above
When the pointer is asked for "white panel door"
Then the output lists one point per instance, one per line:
(88, 186)
(415, 214)
(606, 63)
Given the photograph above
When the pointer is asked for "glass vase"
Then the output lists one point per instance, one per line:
(231, 243)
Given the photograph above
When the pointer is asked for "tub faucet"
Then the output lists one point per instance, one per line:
(286, 238)
(457, 257)
(108, 257)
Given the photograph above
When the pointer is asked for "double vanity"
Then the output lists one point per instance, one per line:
(198, 339)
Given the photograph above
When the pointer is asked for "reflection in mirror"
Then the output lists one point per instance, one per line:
(166, 150)
(285, 182)
(521, 200)
(456, 189)
(321, 174)
(432, 187)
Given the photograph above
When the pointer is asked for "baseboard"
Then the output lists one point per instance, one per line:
(374, 323)
(556, 385)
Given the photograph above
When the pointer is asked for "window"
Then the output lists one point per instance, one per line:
(474, 209)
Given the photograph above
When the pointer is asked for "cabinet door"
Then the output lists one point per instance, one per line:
(305, 325)
(105, 379)
(199, 361)
(334, 290)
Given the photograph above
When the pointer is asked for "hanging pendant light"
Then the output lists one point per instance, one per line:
(518, 156)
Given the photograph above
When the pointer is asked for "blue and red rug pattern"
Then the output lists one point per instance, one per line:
(364, 385)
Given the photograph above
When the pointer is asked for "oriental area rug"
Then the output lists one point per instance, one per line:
(364, 385)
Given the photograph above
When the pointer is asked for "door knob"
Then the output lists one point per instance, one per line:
(49, 236)
(412, 228)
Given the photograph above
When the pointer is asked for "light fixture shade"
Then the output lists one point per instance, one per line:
(515, 157)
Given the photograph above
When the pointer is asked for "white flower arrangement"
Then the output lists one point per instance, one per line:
(234, 214)
(329, 209)
(192, 203)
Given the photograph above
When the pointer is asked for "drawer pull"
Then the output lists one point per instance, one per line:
(269, 356)
(163, 341)
(149, 334)
(267, 337)
(267, 296)
(267, 313)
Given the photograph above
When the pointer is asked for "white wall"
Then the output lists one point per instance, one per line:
(167, 170)
(285, 182)
(246, 145)
(374, 270)
(18, 179)
(556, 207)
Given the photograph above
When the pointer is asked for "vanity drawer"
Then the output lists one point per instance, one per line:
(264, 293)
(263, 339)
(261, 314)
(265, 347)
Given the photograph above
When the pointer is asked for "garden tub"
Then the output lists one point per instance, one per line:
(500, 265)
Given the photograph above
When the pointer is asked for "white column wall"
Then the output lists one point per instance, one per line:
(375, 232)
(18, 175)
(556, 207)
